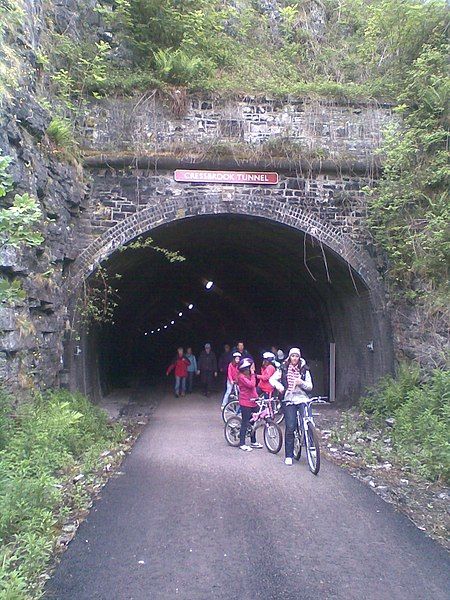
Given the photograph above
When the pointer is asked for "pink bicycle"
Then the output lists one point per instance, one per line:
(262, 417)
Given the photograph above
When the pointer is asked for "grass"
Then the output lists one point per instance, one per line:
(420, 432)
(44, 442)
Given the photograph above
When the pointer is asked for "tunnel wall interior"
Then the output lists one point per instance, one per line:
(272, 286)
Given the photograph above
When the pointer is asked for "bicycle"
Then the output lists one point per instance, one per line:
(305, 433)
(263, 417)
(232, 408)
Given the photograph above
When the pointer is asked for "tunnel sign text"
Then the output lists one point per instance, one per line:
(245, 177)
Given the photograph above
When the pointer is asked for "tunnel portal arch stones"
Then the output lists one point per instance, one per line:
(126, 203)
(161, 211)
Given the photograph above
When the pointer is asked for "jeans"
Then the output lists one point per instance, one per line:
(180, 385)
(246, 414)
(290, 415)
(190, 381)
(227, 392)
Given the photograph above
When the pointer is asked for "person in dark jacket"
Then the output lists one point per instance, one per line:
(224, 360)
(207, 369)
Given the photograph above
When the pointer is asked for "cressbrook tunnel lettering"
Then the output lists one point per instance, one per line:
(226, 177)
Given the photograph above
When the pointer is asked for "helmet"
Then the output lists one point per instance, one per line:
(245, 363)
(270, 356)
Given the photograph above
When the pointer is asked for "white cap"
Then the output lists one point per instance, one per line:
(294, 351)
(280, 354)
(268, 356)
(237, 354)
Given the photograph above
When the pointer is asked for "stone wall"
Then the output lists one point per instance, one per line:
(153, 123)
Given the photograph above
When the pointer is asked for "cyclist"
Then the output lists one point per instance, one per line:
(247, 395)
(267, 370)
(232, 376)
(294, 380)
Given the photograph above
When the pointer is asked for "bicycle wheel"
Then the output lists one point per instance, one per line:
(312, 449)
(231, 409)
(232, 430)
(297, 444)
(273, 436)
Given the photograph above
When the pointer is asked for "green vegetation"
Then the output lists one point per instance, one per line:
(410, 209)
(44, 444)
(421, 413)
(18, 224)
(11, 15)
(345, 49)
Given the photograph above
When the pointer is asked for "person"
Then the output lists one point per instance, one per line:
(293, 380)
(224, 361)
(240, 347)
(232, 376)
(267, 370)
(207, 368)
(279, 354)
(247, 395)
(180, 364)
(192, 369)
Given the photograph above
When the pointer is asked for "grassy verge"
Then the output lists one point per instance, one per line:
(54, 452)
(411, 416)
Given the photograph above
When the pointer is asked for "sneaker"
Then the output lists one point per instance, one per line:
(256, 445)
(245, 448)
(288, 461)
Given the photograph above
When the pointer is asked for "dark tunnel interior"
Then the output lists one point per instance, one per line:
(272, 286)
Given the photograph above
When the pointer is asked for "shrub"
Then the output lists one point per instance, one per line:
(60, 132)
(421, 410)
(47, 437)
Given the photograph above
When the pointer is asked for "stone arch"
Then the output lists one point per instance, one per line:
(357, 325)
(160, 211)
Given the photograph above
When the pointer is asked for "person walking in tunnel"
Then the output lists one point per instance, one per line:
(192, 369)
(293, 381)
(247, 395)
(180, 364)
(240, 347)
(207, 369)
(232, 376)
(224, 360)
(267, 370)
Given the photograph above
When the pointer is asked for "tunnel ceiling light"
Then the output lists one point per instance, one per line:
(146, 333)
(153, 331)
(191, 306)
(159, 329)
(180, 314)
(172, 322)
(165, 326)
(209, 285)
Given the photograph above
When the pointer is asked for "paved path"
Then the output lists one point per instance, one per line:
(194, 519)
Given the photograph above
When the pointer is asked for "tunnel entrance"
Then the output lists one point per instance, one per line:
(273, 285)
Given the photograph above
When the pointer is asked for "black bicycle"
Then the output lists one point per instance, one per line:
(305, 434)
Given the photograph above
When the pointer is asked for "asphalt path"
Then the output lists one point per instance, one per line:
(194, 519)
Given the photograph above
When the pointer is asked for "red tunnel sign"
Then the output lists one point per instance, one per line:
(244, 177)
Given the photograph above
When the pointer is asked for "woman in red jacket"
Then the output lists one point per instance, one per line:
(247, 395)
(267, 370)
(180, 364)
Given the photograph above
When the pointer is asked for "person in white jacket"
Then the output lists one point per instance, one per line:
(293, 382)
